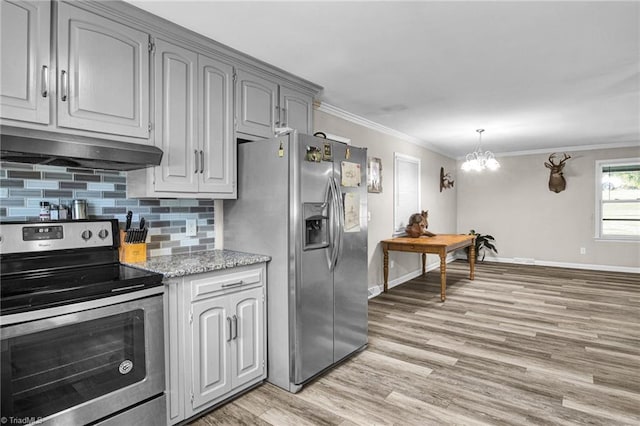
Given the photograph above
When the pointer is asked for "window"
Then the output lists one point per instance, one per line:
(406, 190)
(618, 199)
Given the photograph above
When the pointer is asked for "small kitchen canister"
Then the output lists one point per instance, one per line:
(78, 209)
(45, 212)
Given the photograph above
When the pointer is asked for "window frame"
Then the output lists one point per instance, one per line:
(399, 160)
(599, 165)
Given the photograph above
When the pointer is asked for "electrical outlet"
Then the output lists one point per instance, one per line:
(392, 264)
(583, 250)
(192, 228)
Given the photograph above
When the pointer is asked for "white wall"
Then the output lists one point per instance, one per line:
(441, 205)
(528, 221)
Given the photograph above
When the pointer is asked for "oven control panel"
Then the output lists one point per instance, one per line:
(47, 236)
(37, 233)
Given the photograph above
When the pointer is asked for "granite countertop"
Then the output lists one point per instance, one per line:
(179, 265)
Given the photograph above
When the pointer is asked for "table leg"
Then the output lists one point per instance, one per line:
(385, 262)
(424, 264)
(472, 261)
(443, 276)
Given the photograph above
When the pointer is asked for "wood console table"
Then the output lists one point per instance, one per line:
(439, 244)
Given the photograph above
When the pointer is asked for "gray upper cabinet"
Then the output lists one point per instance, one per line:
(25, 60)
(262, 105)
(215, 88)
(296, 110)
(194, 117)
(175, 115)
(103, 74)
(256, 104)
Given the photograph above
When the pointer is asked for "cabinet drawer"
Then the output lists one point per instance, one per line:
(227, 282)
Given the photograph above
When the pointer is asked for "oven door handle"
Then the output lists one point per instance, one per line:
(131, 287)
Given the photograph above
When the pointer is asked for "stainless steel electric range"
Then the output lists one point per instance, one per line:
(81, 334)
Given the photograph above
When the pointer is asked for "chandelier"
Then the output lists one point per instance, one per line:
(478, 160)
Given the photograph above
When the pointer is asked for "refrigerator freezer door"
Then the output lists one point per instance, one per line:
(350, 274)
(313, 328)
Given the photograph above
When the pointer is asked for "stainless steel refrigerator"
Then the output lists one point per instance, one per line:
(303, 201)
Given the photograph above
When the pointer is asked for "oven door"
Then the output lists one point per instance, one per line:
(80, 367)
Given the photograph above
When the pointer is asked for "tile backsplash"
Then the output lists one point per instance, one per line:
(23, 186)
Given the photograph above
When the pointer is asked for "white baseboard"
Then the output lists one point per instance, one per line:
(588, 266)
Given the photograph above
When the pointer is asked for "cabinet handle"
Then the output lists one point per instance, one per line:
(235, 327)
(45, 81)
(201, 161)
(277, 113)
(64, 82)
(196, 153)
(233, 284)
(229, 324)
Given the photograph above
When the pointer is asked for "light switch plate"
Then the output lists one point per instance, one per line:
(192, 228)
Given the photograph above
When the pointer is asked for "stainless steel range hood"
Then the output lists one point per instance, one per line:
(58, 149)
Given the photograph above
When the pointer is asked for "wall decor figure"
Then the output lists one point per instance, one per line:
(557, 182)
(374, 175)
(446, 181)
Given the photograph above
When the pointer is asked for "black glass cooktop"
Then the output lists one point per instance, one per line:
(45, 289)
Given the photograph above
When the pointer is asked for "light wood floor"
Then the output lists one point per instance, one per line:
(519, 345)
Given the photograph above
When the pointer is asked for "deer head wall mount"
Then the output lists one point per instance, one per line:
(557, 182)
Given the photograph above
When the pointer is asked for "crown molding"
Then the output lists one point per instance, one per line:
(346, 115)
(630, 144)
(353, 118)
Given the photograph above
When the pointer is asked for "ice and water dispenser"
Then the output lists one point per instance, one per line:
(316, 226)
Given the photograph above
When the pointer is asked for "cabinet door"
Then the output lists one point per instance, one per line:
(103, 74)
(256, 101)
(24, 59)
(218, 156)
(296, 110)
(175, 116)
(248, 352)
(210, 344)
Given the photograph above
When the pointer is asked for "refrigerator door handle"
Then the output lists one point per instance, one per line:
(329, 202)
(340, 227)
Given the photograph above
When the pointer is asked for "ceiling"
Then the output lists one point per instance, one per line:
(536, 76)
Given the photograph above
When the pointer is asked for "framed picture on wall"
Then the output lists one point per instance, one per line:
(374, 174)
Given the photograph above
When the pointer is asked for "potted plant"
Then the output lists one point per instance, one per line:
(482, 242)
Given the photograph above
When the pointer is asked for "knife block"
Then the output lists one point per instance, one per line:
(131, 253)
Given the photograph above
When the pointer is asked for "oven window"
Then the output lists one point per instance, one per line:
(48, 371)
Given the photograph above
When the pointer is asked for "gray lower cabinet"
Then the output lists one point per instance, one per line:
(194, 117)
(215, 338)
(262, 105)
(25, 60)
